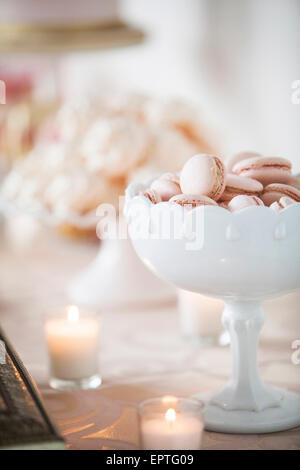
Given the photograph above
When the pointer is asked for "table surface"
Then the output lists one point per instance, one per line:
(142, 353)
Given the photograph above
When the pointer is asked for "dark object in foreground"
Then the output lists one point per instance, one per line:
(24, 422)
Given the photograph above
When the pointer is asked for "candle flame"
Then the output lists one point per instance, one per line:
(171, 415)
(73, 314)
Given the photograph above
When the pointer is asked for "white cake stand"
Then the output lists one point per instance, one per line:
(242, 258)
(116, 278)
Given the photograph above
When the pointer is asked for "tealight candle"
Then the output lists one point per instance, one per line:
(73, 344)
(171, 423)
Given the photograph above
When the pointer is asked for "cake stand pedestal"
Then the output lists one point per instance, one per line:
(116, 279)
(246, 404)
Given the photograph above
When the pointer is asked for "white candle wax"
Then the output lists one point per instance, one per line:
(73, 346)
(184, 432)
(199, 315)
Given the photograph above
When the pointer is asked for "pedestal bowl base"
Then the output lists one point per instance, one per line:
(279, 418)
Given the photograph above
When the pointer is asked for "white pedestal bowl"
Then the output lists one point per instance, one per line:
(242, 258)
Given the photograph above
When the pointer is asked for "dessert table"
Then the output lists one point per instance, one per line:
(142, 352)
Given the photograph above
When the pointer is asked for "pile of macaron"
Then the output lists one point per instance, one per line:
(248, 179)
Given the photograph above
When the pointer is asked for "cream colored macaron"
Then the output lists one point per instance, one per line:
(241, 202)
(283, 202)
(203, 175)
(238, 157)
(152, 195)
(189, 201)
(166, 186)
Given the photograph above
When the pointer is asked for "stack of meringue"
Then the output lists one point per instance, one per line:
(89, 151)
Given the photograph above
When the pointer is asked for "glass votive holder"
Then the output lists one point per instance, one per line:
(200, 317)
(171, 423)
(72, 337)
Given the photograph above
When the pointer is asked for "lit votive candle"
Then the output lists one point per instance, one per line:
(171, 423)
(73, 345)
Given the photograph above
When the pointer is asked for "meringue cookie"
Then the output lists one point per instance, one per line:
(115, 145)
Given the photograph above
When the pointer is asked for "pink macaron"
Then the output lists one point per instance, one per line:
(171, 177)
(273, 192)
(266, 169)
(236, 185)
(166, 187)
(283, 202)
(238, 157)
(152, 195)
(203, 175)
(241, 202)
(224, 204)
(193, 200)
(294, 181)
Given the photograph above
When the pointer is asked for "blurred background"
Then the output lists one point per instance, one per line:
(236, 60)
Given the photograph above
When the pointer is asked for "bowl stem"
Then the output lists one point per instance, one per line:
(246, 390)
